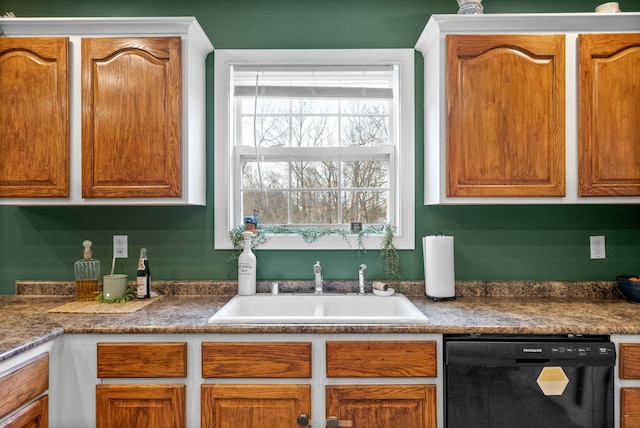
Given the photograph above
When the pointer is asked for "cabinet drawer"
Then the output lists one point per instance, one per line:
(629, 359)
(134, 360)
(256, 359)
(23, 383)
(381, 359)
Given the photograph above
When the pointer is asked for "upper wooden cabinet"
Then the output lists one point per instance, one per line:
(34, 118)
(131, 117)
(135, 120)
(503, 124)
(608, 124)
(505, 115)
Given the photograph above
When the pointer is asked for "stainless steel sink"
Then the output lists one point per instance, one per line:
(318, 309)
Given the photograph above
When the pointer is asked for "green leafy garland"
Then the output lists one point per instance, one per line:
(388, 252)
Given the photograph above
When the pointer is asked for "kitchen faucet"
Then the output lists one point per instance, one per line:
(317, 270)
(361, 270)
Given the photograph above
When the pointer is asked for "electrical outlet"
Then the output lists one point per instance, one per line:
(597, 247)
(120, 250)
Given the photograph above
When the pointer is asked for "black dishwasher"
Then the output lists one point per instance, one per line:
(498, 381)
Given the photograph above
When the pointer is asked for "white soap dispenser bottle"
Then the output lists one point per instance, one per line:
(247, 268)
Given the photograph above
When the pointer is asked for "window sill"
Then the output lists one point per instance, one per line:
(333, 242)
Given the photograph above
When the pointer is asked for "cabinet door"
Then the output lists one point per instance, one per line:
(131, 117)
(254, 406)
(383, 406)
(34, 117)
(505, 115)
(35, 415)
(608, 106)
(140, 406)
(629, 407)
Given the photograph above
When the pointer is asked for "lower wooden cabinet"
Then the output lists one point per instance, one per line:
(254, 406)
(382, 406)
(140, 406)
(21, 390)
(629, 407)
(629, 370)
(244, 381)
(35, 415)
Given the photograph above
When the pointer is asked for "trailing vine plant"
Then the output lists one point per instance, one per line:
(388, 252)
(390, 258)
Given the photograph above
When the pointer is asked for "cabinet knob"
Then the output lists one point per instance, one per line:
(303, 420)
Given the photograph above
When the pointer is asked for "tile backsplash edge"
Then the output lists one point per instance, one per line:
(523, 289)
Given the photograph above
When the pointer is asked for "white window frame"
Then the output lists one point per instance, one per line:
(225, 217)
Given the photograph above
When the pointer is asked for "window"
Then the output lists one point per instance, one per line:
(314, 138)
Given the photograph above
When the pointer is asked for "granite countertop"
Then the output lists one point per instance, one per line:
(500, 308)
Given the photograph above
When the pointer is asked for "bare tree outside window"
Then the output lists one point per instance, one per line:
(317, 187)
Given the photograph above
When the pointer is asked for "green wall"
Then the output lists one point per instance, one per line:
(491, 242)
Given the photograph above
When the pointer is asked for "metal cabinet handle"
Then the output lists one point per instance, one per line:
(303, 420)
(333, 421)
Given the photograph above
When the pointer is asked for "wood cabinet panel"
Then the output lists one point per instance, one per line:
(629, 360)
(505, 110)
(383, 406)
(23, 383)
(381, 359)
(256, 359)
(141, 406)
(35, 415)
(131, 116)
(34, 118)
(254, 406)
(142, 360)
(629, 407)
(608, 106)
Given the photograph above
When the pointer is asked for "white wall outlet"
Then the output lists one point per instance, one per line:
(597, 247)
(120, 250)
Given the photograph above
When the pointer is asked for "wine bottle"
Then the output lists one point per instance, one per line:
(143, 280)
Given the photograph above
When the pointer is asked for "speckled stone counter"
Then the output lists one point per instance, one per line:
(481, 307)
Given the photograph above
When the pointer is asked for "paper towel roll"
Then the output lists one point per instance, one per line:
(439, 272)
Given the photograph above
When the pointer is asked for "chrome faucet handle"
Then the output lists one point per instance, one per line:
(319, 282)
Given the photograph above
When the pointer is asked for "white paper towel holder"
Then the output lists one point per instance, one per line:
(445, 275)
